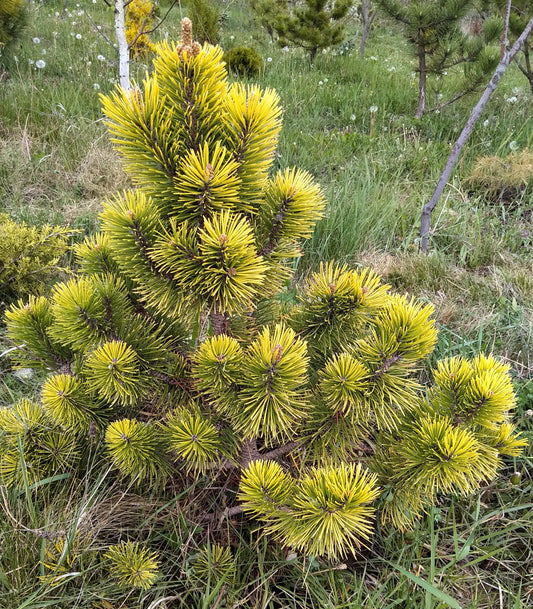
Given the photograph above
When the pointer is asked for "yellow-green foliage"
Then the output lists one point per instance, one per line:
(215, 563)
(132, 565)
(32, 446)
(139, 18)
(500, 178)
(28, 256)
(12, 20)
(169, 358)
(325, 512)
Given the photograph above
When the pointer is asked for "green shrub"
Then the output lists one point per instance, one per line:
(12, 21)
(173, 355)
(28, 257)
(243, 61)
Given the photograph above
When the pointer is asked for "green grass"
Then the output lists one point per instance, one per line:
(56, 165)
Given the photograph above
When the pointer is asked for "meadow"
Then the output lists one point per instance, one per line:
(350, 123)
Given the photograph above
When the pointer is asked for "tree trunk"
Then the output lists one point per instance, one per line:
(123, 50)
(425, 222)
(421, 82)
(219, 322)
(529, 74)
(249, 453)
(368, 14)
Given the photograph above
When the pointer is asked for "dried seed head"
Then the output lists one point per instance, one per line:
(186, 32)
(187, 47)
(196, 48)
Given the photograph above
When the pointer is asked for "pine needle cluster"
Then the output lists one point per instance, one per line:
(168, 356)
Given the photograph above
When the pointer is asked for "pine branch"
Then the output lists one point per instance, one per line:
(61, 365)
(385, 366)
(249, 453)
(219, 322)
(273, 237)
(281, 451)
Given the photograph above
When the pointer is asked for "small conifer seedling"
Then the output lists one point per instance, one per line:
(171, 354)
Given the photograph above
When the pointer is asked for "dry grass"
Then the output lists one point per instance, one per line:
(42, 187)
(502, 179)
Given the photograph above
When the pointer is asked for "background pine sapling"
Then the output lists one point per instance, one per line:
(312, 25)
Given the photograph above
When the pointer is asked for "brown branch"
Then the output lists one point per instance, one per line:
(174, 2)
(143, 25)
(230, 512)
(281, 451)
(385, 366)
(279, 218)
(219, 322)
(249, 453)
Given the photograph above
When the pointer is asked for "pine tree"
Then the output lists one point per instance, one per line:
(312, 25)
(432, 28)
(170, 350)
(268, 13)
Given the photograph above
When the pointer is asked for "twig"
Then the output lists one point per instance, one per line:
(505, 28)
(281, 451)
(147, 32)
(99, 30)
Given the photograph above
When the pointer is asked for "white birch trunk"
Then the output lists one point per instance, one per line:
(123, 50)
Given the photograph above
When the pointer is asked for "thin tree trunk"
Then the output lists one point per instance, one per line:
(425, 223)
(249, 453)
(219, 322)
(421, 82)
(123, 50)
(368, 14)
(529, 74)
